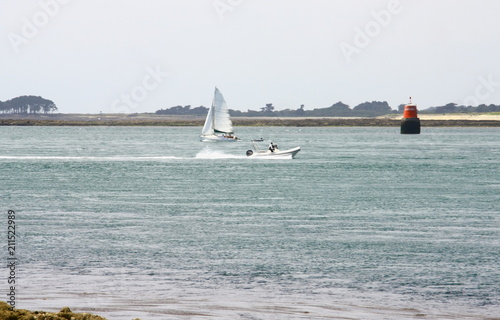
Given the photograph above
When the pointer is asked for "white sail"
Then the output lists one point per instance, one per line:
(208, 127)
(218, 125)
(221, 121)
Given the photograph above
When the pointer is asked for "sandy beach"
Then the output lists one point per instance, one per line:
(455, 116)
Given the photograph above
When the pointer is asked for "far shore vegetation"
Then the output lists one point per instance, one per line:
(32, 105)
(27, 105)
(339, 109)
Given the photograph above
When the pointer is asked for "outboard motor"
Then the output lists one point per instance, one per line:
(249, 153)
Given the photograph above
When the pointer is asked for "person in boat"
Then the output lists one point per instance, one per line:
(271, 147)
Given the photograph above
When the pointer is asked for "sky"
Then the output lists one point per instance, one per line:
(127, 56)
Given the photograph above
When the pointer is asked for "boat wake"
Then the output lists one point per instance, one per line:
(213, 154)
(90, 158)
(203, 154)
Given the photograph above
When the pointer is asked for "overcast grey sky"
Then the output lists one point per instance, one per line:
(142, 55)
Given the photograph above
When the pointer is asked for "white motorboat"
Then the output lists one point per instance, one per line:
(218, 125)
(272, 151)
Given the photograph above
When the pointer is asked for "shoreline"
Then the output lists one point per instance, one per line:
(427, 120)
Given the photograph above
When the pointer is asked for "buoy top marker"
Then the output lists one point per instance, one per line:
(410, 111)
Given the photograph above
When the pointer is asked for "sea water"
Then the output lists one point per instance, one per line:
(150, 223)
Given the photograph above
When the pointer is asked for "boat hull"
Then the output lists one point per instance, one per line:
(276, 153)
(215, 138)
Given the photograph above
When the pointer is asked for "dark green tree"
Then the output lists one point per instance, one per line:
(28, 104)
(268, 108)
(338, 109)
(449, 108)
(372, 109)
(300, 112)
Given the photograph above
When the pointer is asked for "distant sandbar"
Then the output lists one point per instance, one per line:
(145, 119)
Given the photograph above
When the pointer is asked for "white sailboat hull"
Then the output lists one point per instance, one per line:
(276, 153)
(215, 138)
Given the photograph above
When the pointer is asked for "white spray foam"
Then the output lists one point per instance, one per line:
(208, 153)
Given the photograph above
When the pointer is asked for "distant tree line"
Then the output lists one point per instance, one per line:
(455, 108)
(339, 109)
(27, 104)
(186, 110)
(367, 109)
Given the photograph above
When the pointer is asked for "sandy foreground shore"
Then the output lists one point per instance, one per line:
(455, 116)
(8, 313)
(427, 120)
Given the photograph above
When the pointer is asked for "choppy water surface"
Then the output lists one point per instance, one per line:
(148, 222)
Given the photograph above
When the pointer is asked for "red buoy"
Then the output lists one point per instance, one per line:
(410, 124)
(410, 111)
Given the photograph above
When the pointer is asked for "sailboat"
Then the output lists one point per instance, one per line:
(218, 125)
